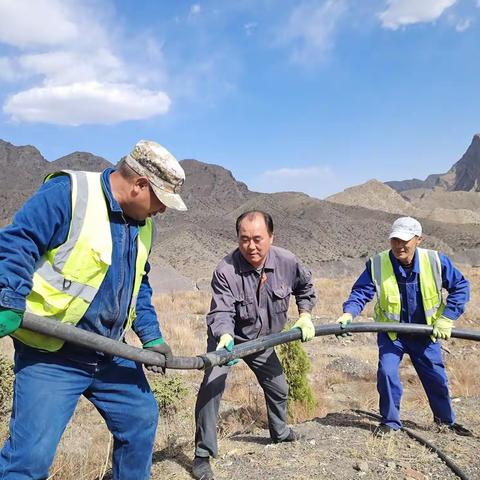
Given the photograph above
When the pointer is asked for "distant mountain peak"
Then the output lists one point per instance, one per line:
(464, 175)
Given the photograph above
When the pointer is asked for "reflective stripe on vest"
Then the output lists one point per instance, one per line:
(388, 307)
(67, 278)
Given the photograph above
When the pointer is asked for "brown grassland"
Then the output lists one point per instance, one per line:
(84, 450)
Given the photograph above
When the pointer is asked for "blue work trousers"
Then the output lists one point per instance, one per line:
(426, 357)
(46, 391)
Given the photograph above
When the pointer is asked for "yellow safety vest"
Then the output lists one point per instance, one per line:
(67, 278)
(388, 306)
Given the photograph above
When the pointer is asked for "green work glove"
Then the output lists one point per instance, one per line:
(442, 328)
(10, 320)
(344, 320)
(226, 342)
(304, 323)
(159, 345)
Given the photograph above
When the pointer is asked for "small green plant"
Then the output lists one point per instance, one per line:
(296, 365)
(169, 392)
(6, 385)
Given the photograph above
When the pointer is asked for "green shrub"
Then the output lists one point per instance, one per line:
(169, 392)
(6, 385)
(296, 365)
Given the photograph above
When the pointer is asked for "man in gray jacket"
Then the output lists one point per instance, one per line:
(251, 289)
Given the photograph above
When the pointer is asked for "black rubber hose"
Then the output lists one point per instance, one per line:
(426, 443)
(92, 341)
(99, 343)
(253, 346)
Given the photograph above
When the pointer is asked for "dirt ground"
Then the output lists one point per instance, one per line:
(337, 446)
(337, 442)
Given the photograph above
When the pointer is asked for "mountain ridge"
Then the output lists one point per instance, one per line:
(328, 237)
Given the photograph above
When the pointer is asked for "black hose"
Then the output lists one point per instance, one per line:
(426, 443)
(247, 348)
(93, 341)
(99, 343)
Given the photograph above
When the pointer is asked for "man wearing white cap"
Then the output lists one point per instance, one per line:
(408, 283)
(77, 252)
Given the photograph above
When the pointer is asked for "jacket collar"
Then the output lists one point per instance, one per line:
(399, 269)
(112, 203)
(245, 267)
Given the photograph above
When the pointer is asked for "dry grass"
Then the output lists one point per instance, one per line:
(84, 448)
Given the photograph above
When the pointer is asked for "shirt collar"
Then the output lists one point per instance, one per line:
(399, 269)
(112, 203)
(246, 267)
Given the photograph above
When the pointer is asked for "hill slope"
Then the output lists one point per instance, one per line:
(327, 236)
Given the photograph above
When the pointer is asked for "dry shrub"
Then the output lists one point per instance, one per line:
(296, 366)
(169, 392)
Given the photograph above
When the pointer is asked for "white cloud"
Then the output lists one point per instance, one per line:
(89, 102)
(65, 67)
(8, 70)
(408, 12)
(250, 28)
(69, 50)
(310, 29)
(288, 173)
(195, 9)
(25, 23)
(317, 181)
(463, 25)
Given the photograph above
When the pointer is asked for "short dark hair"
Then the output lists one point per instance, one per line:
(251, 214)
(125, 170)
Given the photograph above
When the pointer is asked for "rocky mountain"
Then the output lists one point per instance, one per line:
(23, 168)
(331, 238)
(463, 176)
(414, 183)
(375, 195)
(420, 202)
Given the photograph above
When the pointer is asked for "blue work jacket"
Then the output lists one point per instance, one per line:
(412, 311)
(41, 225)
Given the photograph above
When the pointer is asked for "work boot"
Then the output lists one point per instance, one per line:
(455, 428)
(201, 468)
(382, 430)
(292, 436)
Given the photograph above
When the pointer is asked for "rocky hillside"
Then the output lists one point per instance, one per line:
(22, 170)
(460, 207)
(329, 237)
(375, 195)
(463, 176)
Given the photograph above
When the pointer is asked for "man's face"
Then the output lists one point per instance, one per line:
(144, 203)
(404, 251)
(254, 240)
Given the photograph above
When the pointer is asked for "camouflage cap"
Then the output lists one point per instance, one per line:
(166, 176)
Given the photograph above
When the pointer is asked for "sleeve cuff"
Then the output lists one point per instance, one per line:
(152, 343)
(12, 300)
(447, 313)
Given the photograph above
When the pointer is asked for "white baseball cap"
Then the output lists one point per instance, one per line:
(166, 176)
(405, 228)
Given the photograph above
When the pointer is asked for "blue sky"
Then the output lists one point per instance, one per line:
(305, 95)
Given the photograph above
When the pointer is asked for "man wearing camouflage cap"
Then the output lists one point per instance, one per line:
(77, 252)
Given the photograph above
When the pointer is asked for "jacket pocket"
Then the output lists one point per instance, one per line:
(246, 309)
(392, 303)
(281, 297)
